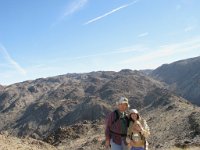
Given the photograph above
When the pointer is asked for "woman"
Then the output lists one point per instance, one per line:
(138, 131)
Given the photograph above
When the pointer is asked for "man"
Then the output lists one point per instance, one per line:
(116, 126)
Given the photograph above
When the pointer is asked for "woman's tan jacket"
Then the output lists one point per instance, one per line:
(145, 132)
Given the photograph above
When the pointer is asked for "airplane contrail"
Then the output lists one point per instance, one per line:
(11, 61)
(110, 12)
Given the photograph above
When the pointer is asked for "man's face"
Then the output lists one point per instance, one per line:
(122, 107)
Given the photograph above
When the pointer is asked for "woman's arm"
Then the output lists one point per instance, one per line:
(145, 129)
(129, 132)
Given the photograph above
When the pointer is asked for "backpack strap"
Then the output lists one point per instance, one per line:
(116, 116)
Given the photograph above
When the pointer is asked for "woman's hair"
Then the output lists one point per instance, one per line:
(138, 117)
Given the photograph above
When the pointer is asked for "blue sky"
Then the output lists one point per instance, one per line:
(43, 38)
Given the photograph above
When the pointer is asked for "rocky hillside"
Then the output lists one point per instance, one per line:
(35, 108)
(173, 122)
(68, 111)
(1, 87)
(183, 76)
(12, 143)
(80, 136)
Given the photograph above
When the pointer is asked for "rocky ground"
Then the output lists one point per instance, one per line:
(86, 135)
(12, 143)
(172, 120)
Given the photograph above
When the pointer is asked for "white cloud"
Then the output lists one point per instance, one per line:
(110, 12)
(143, 34)
(8, 58)
(124, 50)
(74, 7)
(176, 51)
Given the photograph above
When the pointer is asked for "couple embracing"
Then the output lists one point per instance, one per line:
(126, 131)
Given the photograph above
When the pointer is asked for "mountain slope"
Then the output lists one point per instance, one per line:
(12, 143)
(183, 76)
(1, 88)
(34, 108)
(68, 111)
(172, 120)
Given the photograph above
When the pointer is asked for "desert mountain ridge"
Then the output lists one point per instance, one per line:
(55, 101)
(183, 76)
(68, 111)
(1, 87)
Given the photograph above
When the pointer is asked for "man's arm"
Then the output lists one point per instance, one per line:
(108, 124)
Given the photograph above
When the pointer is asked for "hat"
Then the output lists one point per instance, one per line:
(123, 100)
(133, 111)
